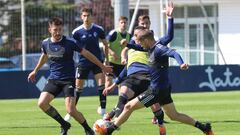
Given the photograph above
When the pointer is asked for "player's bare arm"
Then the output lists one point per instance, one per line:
(94, 60)
(124, 55)
(109, 89)
(106, 48)
(42, 60)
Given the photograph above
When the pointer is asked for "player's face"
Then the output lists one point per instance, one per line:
(135, 34)
(56, 31)
(145, 23)
(123, 24)
(86, 17)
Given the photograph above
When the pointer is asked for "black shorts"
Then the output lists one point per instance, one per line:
(117, 69)
(55, 87)
(150, 97)
(137, 82)
(82, 72)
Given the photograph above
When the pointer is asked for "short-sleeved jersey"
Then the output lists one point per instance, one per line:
(89, 39)
(60, 56)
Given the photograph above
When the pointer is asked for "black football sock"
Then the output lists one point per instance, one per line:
(123, 99)
(86, 126)
(52, 112)
(159, 114)
(202, 127)
(111, 129)
(102, 98)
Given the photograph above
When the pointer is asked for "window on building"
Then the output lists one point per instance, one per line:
(192, 36)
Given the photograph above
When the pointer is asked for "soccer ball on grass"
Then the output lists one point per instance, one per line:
(100, 126)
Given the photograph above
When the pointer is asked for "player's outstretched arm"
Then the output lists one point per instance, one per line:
(93, 59)
(109, 89)
(43, 59)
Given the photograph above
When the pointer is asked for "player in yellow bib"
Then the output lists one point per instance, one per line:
(114, 37)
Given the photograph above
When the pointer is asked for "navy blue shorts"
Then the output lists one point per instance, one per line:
(161, 96)
(137, 82)
(55, 87)
(83, 72)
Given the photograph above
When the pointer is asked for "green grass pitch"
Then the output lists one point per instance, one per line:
(222, 109)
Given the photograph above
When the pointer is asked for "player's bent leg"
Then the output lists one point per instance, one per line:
(78, 91)
(44, 100)
(78, 116)
(155, 107)
(100, 79)
(172, 113)
(79, 88)
(125, 94)
(127, 111)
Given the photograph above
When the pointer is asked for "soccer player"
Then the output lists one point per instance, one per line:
(159, 90)
(58, 49)
(114, 37)
(144, 21)
(137, 73)
(88, 35)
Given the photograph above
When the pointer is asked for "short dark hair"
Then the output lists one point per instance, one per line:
(55, 21)
(88, 10)
(123, 18)
(143, 17)
(139, 28)
(146, 34)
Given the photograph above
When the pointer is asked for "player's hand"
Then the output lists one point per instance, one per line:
(124, 42)
(109, 89)
(31, 76)
(124, 61)
(184, 66)
(169, 9)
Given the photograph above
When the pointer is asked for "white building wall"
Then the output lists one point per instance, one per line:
(229, 31)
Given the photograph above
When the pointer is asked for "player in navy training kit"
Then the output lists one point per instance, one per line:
(88, 35)
(59, 49)
(137, 80)
(159, 90)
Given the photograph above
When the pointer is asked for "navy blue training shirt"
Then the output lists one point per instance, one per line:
(60, 56)
(89, 39)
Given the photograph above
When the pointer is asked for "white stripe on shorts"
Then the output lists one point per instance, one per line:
(145, 100)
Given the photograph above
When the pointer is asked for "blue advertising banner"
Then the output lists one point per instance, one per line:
(14, 84)
(205, 78)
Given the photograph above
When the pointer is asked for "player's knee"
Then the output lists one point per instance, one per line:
(42, 105)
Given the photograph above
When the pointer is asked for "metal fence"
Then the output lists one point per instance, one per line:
(37, 13)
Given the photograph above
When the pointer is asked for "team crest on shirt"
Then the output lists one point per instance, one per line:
(95, 34)
(89, 35)
(83, 36)
(55, 51)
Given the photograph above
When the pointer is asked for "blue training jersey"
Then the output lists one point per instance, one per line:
(158, 64)
(60, 56)
(89, 39)
(140, 67)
